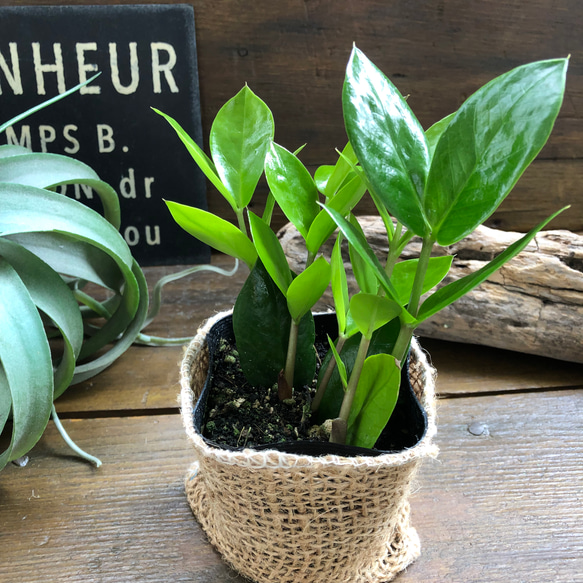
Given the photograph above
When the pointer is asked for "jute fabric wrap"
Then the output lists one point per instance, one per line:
(285, 518)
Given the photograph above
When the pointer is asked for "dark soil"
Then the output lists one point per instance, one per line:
(240, 415)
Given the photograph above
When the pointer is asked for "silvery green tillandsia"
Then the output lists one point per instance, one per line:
(438, 184)
(53, 331)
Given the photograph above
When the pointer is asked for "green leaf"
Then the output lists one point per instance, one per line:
(449, 293)
(332, 178)
(388, 140)
(52, 170)
(202, 160)
(26, 367)
(360, 244)
(404, 275)
(370, 312)
(270, 252)
(261, 323)
(307, 288)
(364, 274)
(433, 133)
(488, 144)
(374, 401)
(343, 202)
(340, 365)
(214, 231)
(53, 297)
(293, 187)
(240, 136)
(339, 285)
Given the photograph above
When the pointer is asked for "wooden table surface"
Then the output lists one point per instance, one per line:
(503, 506)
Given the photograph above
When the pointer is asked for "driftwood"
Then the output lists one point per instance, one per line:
(534, 304)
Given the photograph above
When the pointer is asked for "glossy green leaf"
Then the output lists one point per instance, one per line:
(343, 202)
(332, 178)
(214, 231)
(364, 274)
(388, 140)
(449, 293)
(202, 160)
(433, 133)
(261, 323)
(240, 136)
(374, 401)
(488, 144)
(339, 285)
(270, 252)
(371, 311)
(293, 187)
(307, 288)
(321, 177)
(339, 363)
(360, 244)
(26, 367)
(404, 275)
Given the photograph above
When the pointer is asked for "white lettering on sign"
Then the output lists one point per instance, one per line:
(75, 145)
(105, 140)
(131, 235)
(12, 75)
(41, 68)
(163, 59)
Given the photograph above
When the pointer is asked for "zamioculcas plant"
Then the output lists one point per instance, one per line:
(54, 332)
(439, 184)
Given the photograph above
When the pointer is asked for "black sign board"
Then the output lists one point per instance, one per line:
(147, 58)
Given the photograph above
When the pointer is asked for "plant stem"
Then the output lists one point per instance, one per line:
(241, 221)
(417, 290)
(327, 375)
(354, 378)
(292, 346)
(402, 343)
(95, 461)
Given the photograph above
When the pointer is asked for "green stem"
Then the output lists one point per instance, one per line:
(394, 252)
(241, 221)
(417, 289)
(70, 442)
(354, 378)
(327, 375)
(401, 346)
(292, 346)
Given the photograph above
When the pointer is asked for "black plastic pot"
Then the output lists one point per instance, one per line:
(405, 429)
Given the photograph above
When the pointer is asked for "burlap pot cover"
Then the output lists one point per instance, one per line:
(285, 518)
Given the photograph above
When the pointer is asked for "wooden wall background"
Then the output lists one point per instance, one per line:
(293, 53)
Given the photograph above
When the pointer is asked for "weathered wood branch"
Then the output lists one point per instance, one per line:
(534, 304)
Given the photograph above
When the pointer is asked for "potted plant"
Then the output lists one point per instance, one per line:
(308, 510)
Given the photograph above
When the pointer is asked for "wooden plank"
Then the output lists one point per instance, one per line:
(504, 503)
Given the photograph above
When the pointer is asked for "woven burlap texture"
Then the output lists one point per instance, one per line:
(285, 518)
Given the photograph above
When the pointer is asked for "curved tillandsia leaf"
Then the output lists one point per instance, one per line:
(488, 144)
(51, 212)
(307, 288)
(83, 454)
(270, 252)
(52, 170)
(25, 364)
(388, 140)
(371, 311)
(53, 297)
(343, 202)
(214, 231)
(292, 186)
(240, 136)
(44, 104)
(374, 401)
(202, 160)
(127, 337)
(8, 150)
(449, 293)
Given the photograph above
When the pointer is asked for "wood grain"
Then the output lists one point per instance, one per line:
(504, 503)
